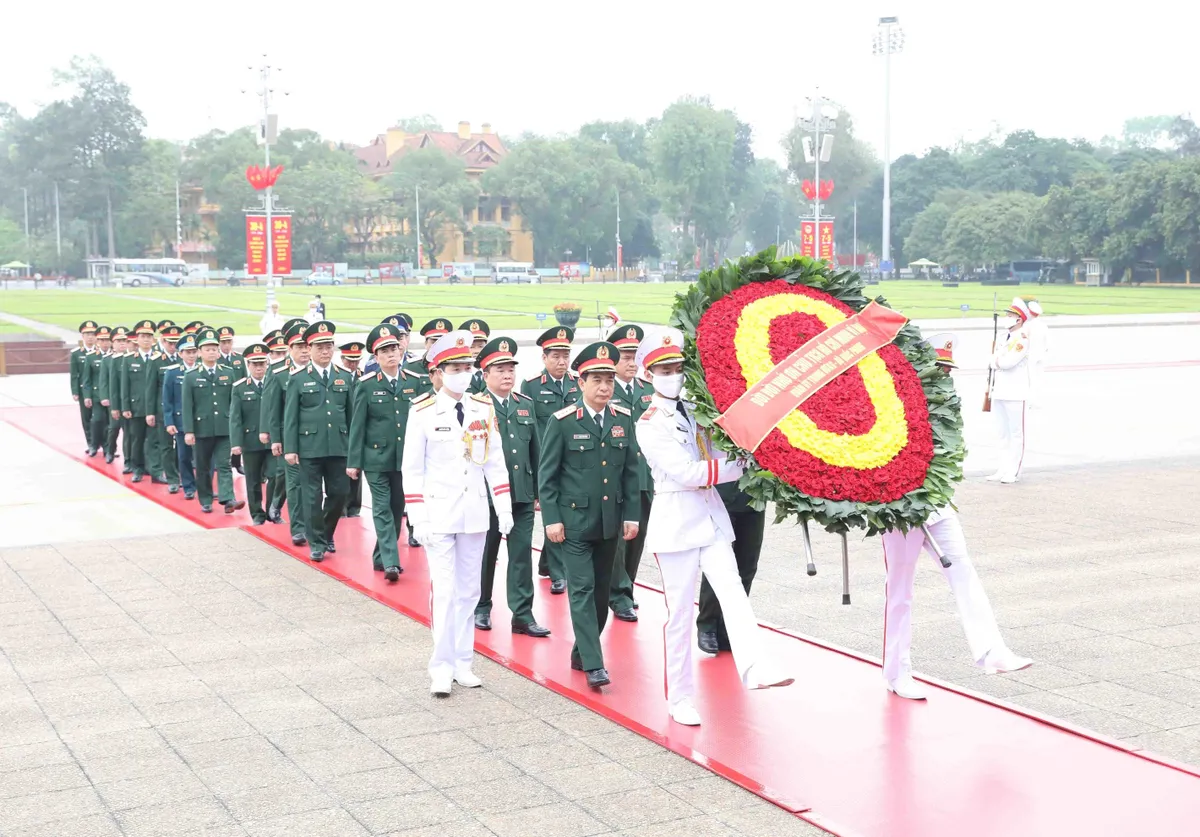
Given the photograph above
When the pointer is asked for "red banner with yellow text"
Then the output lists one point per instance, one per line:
(825, 241)
(808, 239)
(281, 244)
(802, 373)
(256, 245)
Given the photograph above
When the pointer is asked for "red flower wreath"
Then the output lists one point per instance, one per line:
(842, 406)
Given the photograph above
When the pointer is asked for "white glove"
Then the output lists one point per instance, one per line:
(506, 522)
(421, 533)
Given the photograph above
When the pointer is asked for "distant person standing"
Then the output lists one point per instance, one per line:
(320, 306)
(1013, 362)
(313, 314)
(272, 320)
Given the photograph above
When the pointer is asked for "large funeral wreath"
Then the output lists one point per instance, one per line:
(877, 448)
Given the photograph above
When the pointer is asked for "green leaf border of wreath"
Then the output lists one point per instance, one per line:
(945, 408)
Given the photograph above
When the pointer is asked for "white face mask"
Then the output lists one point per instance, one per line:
(668, 386)
(457, 382)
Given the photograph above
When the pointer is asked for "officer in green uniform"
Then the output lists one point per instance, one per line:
(89, 389)
(271, 421)
(117, 392)
(431, 331)
(207, 391)
(193, 327)
(480, 331)
(244, 415)
(350, 355)
(138, 378)
(588, 485)
(169, 335)
(276, 346)
(172, 411)
(229, 357)
(552, 389)
(109, 391)
(377, 428)
(518, 433)
(273, 470)
(316, 430)
(634, 393)
(748, 527)
(87, 336)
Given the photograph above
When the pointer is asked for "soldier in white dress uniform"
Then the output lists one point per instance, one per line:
(690, 531)
(1040, 334)
(1014, 365)
(900, 555)
(452, 447)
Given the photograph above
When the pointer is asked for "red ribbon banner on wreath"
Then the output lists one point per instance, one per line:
(805, 371)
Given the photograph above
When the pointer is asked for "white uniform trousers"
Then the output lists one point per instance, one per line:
(455, 569)
(679, 571)
(900, 555)
(1010, 421)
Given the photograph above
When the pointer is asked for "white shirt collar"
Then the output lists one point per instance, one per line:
(321, 370)
(591, 412)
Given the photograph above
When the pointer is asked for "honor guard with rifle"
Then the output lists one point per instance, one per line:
(1011, 378)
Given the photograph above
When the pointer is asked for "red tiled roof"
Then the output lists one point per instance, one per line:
(479, 151)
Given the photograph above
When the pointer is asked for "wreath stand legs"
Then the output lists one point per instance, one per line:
(845, 570)
(808, 552)
(933, 544)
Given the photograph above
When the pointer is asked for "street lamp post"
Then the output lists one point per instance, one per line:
(267, 133)
(821, 122)
(889, 38)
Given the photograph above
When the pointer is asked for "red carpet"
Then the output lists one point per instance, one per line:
(835, 748)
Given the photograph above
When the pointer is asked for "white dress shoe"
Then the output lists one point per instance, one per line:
(996, 477)
(765, 676)
(467, 679)
(440, 686)
(685, 713)
(904, 686)
(1007, 480)
(1004, 661)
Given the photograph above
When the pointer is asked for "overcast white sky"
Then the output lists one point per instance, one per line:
(548, 66)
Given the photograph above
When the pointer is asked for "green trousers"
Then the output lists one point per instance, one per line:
(748, 530)
(254, 463)
(294, 491)
(166, 452)
(98, 428)
(213, 451)
(627, 561)
(551, 560)
(519, 579)
(387, 508)
(115, 426)
(588, 567)
(325, 488)
(135, 430)
(354, 498)
(154, 451)
(126, 444)
(85, 419)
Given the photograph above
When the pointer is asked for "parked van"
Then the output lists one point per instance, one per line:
(521, 273)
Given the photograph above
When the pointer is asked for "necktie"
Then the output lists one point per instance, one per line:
(325, 377)
(458, 408)
(599, 419)
(683, 412)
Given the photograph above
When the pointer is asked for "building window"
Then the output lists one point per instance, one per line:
(505, 212)
(468, 247)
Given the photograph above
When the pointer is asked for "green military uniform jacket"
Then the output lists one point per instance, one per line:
(379, 417)
(416, 366)
(316, 416)
(588, 479)
(206, 401)
(161, 364)
(270, 418)
(77, 357)
(108, 388)
(638, 400)
(549, 396)
(236, 361)
(138, 379)
(89, 376)
(477, 385)
(519, 432)
(245, 413)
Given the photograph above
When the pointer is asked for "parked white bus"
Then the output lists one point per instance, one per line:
(134, 273)
(516, 272)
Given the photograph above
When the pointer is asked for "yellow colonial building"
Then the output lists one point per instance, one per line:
(479, 152)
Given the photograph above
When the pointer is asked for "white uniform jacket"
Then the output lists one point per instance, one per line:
(445, 465)
(687, 512)
(1013, 364)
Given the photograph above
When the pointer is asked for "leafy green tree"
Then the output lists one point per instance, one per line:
(419, 124)
(12, 241)
(147, 216)
(445, 194)
(927, 237)
(489, 241)
(999, 229)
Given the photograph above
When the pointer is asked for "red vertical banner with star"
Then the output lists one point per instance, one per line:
(808, 239)
(256, 245)
(825, 241)
(281, 244)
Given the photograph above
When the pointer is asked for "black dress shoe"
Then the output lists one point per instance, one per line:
(158, 481)
(91, 451)
(189, 495)
(393, 574)
(636, 605)
(706, 641)
(234, 505)
(108, 458)
(598, 677)
(258, 521)
(331, 548)
(531, 629)
(625, 615)
(127, 470)
(558, 587)
(353, 514)
(137, 476)
(412, 542)
(299, 540)
(317, 557)
(483, 621)
(543, 573)
(172, 489)
(206, 509)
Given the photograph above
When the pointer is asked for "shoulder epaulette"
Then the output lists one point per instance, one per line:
(341, 368)
(649, 412)
(172, 366)
(366, 376)
(482, 398)
(239, 381)
(299, 370)
(572, 373)
(564, 412)
(537, 375)
(156, 355)
(517, 396)
(76, 349)
(619, 408)
(423, 400)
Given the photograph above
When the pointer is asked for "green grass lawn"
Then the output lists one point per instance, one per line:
(512, 307)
